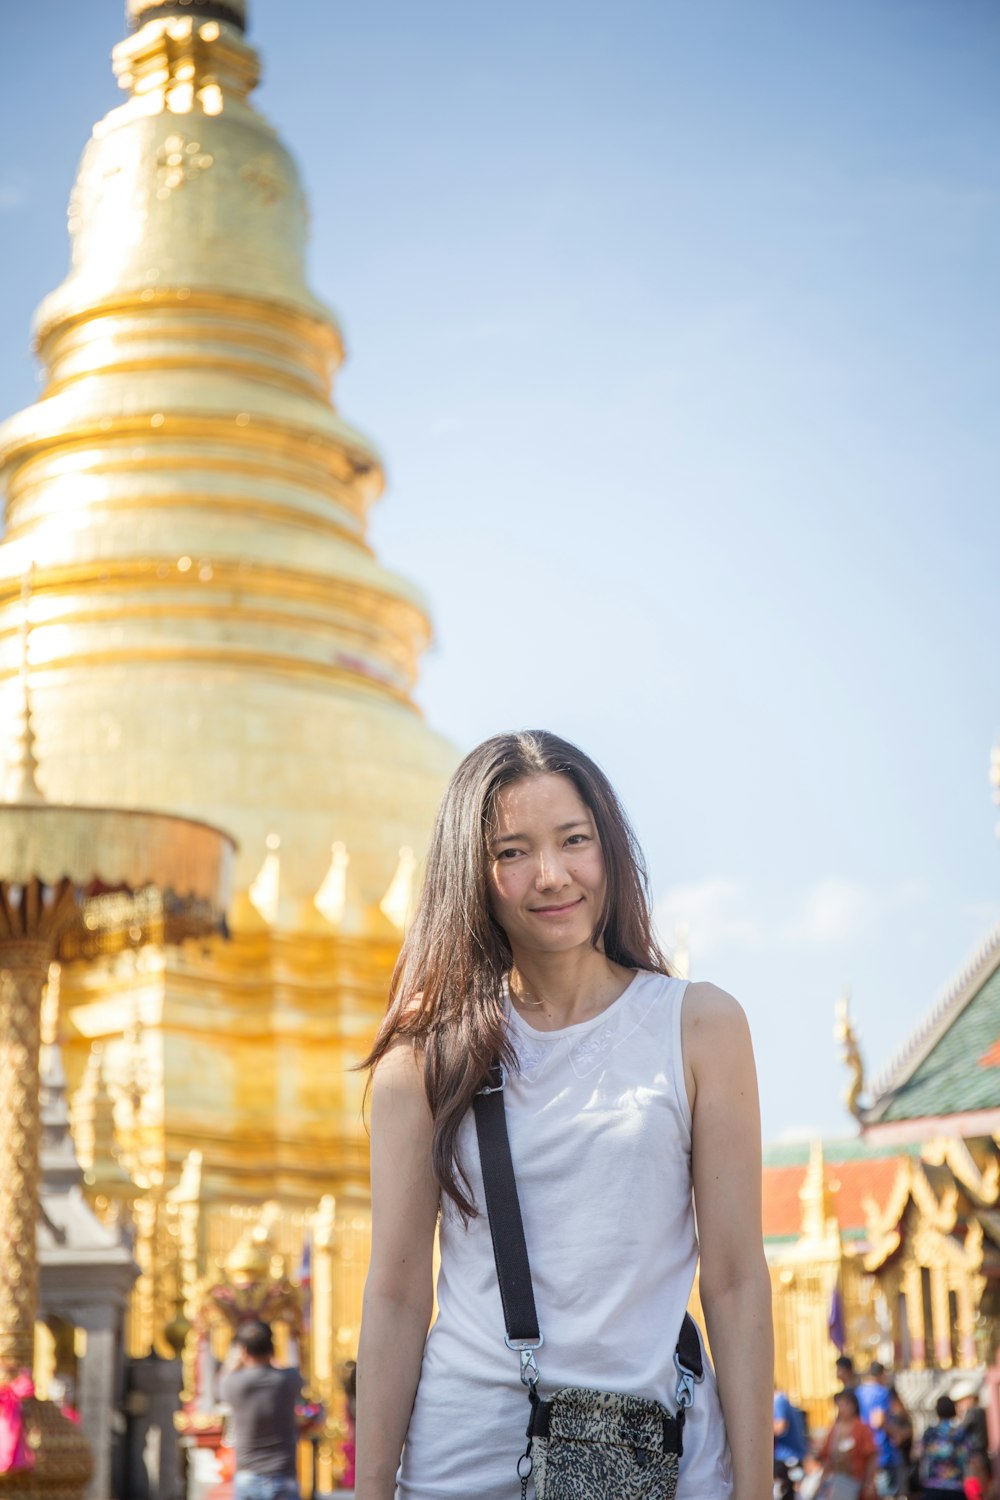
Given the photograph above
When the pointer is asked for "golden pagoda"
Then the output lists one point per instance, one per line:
(209, 634)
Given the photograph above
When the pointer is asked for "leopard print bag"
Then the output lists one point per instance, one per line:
(589, 1445)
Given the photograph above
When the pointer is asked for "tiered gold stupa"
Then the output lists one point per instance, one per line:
(211, 635)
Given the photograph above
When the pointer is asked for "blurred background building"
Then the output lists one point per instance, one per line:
(887, 1246)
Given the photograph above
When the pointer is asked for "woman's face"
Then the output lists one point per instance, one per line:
(547, 880)
(845, 1409)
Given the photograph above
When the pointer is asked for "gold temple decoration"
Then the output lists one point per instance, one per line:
(265, 893)
(331, 898)
(54, 890)
(818, 1199)
(254, 1286)
(843, 1032)
(22, 772)
(397, 903)
(211, 634)
(210, 630)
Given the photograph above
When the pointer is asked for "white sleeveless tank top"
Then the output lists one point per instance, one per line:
(600, 1133)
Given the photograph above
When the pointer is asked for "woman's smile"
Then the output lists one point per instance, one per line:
(557, 911)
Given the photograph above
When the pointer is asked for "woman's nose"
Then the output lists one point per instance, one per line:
(551, 871)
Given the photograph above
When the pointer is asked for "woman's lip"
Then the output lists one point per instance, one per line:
(555, 911)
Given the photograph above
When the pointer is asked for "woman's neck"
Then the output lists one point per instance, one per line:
(553, 990)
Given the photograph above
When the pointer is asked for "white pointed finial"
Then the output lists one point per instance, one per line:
(398, 899)
(265, 891)
(331, 898)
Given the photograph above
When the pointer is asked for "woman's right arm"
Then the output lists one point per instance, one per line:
(399, 1293)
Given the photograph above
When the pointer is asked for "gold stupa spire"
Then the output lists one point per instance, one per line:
(212, 635)
(218, 637)
(231, 12)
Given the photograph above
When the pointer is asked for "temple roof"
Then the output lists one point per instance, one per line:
(854, 1172)
(876, 1197)
(950, 1064)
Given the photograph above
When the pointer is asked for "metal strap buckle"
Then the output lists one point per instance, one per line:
(496, 1088)
(530, 1374)
(686, 1382)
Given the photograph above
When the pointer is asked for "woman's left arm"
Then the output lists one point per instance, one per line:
(734, 1281)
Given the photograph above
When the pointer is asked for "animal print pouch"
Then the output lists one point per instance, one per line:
(590, 1445)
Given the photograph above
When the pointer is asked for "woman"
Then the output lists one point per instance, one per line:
(943, 1454)
(848, 1453)
(532, 945)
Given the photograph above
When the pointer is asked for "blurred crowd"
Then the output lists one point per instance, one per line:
(873, 1448)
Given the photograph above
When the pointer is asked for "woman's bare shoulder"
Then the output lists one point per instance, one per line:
(708, 1006)
(716, 1037)
(399, 1074)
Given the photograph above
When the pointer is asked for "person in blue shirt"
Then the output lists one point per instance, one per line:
(790, 1443)
(873, 1401)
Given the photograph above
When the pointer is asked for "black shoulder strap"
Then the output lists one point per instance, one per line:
(504, 1212)
(507, 1231)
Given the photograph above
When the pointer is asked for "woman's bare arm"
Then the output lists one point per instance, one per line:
(735, 1285)
(399, 1290)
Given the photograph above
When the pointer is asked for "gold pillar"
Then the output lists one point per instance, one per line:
(915, 1315)
(62, 1461)
(22, 979)
(966, 1322)
(942, 1318)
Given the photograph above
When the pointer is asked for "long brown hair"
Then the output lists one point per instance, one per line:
(447, 991)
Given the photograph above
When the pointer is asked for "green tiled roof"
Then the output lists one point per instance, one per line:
(951, 1078)
(854, 1235)
(850, 1148)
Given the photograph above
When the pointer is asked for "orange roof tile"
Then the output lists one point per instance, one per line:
(991, 1057)
(871, 1178)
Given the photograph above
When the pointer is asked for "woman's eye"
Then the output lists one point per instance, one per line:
(577, 838)
(508, 854)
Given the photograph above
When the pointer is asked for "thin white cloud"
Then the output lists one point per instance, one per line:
(11, 197)
(705, 916)
(836, 909)
(831, 912)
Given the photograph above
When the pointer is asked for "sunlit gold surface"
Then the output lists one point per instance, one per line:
(210, 631)
(210, 634)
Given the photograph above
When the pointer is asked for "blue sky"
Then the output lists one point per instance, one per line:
(677, 326)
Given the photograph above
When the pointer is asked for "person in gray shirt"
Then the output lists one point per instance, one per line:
(262, 1396)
